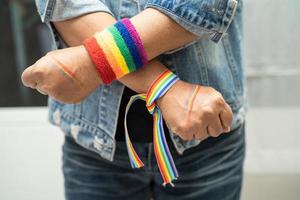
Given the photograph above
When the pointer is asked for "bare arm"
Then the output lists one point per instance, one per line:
(158, 32)
(156, 40)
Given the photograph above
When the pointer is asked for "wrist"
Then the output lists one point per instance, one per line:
(88, 72)
(180, 90)
(141, 80)
(170, 94)
(116, 51)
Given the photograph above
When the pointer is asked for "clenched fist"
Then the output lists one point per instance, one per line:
(194, 111)
(67, 75)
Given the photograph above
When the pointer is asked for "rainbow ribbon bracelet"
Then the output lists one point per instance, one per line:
(161, 150)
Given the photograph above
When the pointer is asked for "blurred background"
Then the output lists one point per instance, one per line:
(30, 149)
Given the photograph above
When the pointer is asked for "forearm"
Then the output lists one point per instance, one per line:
(158, 32)
(74, 31)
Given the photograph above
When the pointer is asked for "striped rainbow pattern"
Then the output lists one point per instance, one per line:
(162, 153)
(116, 51)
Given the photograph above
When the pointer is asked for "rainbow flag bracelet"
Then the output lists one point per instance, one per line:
(161, 150)
(116, 51)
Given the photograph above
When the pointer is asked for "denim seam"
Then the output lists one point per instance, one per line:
(233, 4)
(49, 10)
(232, 65)
(102, 95)
(204, 72)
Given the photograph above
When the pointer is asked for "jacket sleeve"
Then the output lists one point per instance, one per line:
(59, 10)
(201, 17)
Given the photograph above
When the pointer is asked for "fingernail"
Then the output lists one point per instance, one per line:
(227, 129)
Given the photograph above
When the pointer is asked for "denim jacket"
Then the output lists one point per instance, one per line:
(214, 60)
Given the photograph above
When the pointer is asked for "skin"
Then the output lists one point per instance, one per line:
(69, 75)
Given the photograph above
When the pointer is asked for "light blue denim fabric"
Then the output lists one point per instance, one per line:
(215, 60)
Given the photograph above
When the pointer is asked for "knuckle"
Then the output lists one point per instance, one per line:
(211, 90)
(199, 123)
(208, 111)
(183, 126)
(218, 97)
(37, 71)
(219, 100)
(219, 94)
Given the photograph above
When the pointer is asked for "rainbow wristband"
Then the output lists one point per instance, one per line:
(162, 153)
(116, 51)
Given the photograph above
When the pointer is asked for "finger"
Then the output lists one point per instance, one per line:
(175, 131)
(41, 91)
(226, 118)
(28, 78)
(186, 136)
(202, 134)
(215, 127)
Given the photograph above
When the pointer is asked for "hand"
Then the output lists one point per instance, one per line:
(193, 111)
(67, 75)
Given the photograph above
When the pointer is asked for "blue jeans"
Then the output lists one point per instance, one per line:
(211, 171)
